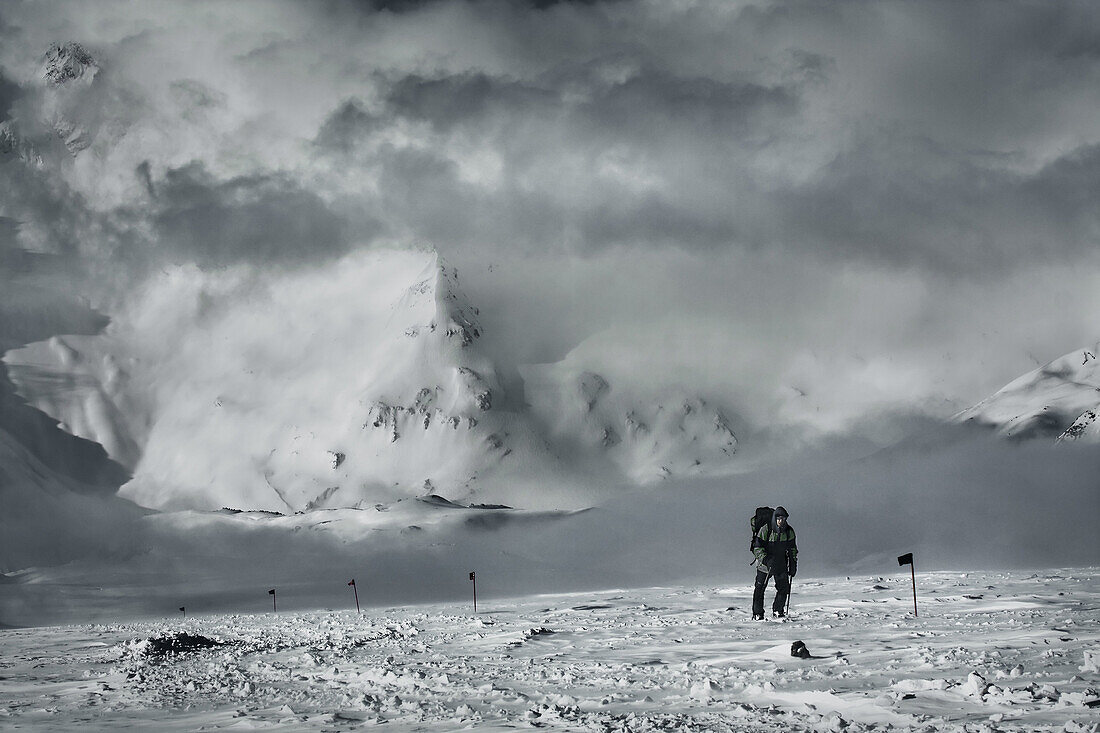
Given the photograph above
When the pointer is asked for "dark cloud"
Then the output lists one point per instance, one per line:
(406, 6)
(9, 93)
(263, 218)
(920, 204)
(346, 128)
(51, 215)
(470, 99)
(655, 104)
(393, 6)
(532, 128)
(643, 108)
(890, 195)
(37, 299)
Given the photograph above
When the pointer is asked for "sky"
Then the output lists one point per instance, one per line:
(821, 216)
(838, 222)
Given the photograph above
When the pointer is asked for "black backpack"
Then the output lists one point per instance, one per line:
(763, 516)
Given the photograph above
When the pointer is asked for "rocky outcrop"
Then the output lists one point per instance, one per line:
(12, 144)
(68, 62)
(1086, 428)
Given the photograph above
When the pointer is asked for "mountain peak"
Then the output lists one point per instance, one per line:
(1052, 401)
(68, 62)
(436, 294)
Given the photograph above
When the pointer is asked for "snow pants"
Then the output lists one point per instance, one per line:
(782, 589)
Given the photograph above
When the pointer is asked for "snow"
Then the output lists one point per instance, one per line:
(991, 651)
(1058, 400)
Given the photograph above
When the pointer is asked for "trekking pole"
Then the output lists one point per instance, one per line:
(790, 592)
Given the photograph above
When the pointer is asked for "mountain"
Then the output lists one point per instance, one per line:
(1060, 400)
(352, 385)
(68, 62)
(68, 70)
(678, 435)
(68, 66)
(56, 490)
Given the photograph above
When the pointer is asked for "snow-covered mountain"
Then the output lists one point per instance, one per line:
(680, 435)
(1060, 400)
(68, 65)
(67, 72)
(68, 62)
(350, 385)
(55, 491)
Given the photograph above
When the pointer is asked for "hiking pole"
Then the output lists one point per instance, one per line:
(790, 592)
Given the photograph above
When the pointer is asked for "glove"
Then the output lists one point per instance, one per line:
(794, 568)
(765, 565)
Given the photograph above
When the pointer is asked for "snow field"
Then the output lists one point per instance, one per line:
(990, 652)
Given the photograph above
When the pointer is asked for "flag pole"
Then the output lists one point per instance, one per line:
(473, 579)
(913, 575)
(272, 594)
(355, 588)
(907, 559)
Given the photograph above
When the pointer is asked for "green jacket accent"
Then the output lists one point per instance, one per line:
(772, 545)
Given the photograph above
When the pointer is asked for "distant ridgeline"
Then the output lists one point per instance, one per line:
(1060, 401)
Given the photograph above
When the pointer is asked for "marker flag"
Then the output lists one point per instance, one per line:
(355, 590)
(907, 559)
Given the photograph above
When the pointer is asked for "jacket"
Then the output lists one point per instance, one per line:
(776, 548)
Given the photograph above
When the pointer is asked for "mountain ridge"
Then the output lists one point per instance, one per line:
(1059, 400)
(354, 384)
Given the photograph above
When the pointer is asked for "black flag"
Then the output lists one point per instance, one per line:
(271, 592)
(907, 559)
(355, 590)
(181, 608)
(473, 579)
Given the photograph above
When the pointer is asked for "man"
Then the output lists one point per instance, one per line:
(777, 557)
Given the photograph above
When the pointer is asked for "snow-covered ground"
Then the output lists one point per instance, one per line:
(989, 651)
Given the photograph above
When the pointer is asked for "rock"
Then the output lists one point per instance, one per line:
(68, 62)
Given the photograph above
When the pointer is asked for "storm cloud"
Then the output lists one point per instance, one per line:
(887, 207)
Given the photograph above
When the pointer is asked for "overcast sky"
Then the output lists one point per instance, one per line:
(814, 213)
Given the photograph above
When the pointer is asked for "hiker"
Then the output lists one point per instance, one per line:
(777, 557)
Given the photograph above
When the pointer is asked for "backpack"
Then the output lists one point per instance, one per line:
(762, 516)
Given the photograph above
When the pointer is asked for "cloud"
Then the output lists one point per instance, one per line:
(9, 93)
(919, 205)
(627, 146)
(260, 218)
(888, 195)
